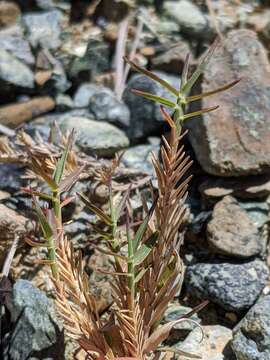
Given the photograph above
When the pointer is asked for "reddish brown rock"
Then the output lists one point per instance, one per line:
(16, 114)
(234, 140)
(232, 232)
(9, 13)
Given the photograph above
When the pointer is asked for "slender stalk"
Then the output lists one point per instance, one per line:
(52, 257)
(52, 241)
(131, 274)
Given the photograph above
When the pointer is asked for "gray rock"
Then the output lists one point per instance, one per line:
(58, 82)
(43, 124)
(14, 72)
(139, 157)
(43, 28)
(189, 17)
(94, 60)
(10, 177)
(94, 137)
(251, 337)
(232, 232)
(63, 103)
(235, 287)
(214, 346)
(84, 93)
(146, 118)
(105, 106)
(233, 140)
(18, 47)
(37, 334)
(176, 311)
(258, 211)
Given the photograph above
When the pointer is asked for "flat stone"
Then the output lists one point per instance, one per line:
(232, 232)
(94, 137)
(234, 140)
(233, 286)
(251, 337)
(14, 72)
(15, 114)
(9, 13)
(245, 188)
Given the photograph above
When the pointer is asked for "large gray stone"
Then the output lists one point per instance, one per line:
(18, 47)
(37, 334)
(232, 232)
(235, 287)
(43, 28)
(103, 104)
(234, 140)
(251, 337)
(13, 72)
(146, 118)
(94, 137)
(189, 17)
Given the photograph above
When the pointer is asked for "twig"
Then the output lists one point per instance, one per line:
(10, 256)
(120, 52)
(134, 48)
(7, 131)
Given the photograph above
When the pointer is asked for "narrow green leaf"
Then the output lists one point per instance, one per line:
(140, 232)
(104, 217)
(152, 76)
(155, 98)
(37, 194)
(60, 167)
(185, 88)
(200, 112)
(45, 226)
(184, 76)
(143, 227)
(142, 253)
(213, 92)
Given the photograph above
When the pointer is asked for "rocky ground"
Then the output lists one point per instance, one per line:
(61, 61)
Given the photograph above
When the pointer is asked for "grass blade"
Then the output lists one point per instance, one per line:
(104, 217)
(154, 98)
(152, 76)
(60, 167)
(213, 92)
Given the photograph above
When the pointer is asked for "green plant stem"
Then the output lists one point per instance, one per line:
(131, 274)
(57, 209)
(52, 257)
(52, 242)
